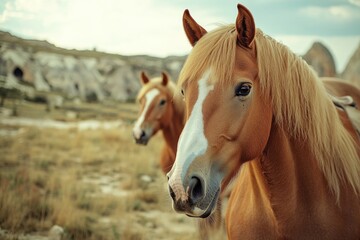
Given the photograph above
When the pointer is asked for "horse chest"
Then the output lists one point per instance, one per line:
(254, 225)
(249, 215)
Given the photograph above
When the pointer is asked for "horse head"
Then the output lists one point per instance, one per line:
(228, 121)
(156, 111)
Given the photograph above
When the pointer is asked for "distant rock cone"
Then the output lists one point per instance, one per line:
(320, 58)
(352, 69)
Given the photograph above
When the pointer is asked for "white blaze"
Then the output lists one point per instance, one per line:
(192, 142)
(149, 97)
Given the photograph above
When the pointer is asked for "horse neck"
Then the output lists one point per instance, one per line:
(291, 176)
(171, 131)
(288, 179)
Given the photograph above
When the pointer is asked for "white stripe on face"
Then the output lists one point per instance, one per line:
(149, 97)
(192, 141)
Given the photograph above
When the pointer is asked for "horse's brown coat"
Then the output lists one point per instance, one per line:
(169, 120)
(299, 155)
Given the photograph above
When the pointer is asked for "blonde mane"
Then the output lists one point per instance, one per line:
(300, 102)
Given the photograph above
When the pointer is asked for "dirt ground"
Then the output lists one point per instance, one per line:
(85, 175)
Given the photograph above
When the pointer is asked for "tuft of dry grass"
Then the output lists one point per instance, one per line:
(89, 182)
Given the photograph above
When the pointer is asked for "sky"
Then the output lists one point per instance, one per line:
(154, 27)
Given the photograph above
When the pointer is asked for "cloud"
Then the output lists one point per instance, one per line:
(28, 10)
(355, 2)
(126, 27)
(331, 13)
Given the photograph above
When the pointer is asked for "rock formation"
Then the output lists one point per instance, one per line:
(320, 58)
(88, 75)
(351, 72)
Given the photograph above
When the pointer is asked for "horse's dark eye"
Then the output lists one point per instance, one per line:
(243, 89)
(182, 92)
(162, 102)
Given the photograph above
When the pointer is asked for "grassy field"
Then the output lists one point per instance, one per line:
(95, 184)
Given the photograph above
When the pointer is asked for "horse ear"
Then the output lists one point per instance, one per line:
(144, 78)
(165, 78)
(193, 30)
(245, 27)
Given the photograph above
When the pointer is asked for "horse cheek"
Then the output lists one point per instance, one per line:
(256, 138)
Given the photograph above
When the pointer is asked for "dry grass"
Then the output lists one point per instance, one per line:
(89, 182)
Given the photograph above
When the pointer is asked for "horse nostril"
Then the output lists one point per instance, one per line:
(196, 190)
(172, 194)
(142, 134)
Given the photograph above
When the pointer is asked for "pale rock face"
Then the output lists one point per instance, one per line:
(86, 78)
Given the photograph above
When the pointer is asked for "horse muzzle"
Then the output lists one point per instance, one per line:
(196, 203)
(141, 137)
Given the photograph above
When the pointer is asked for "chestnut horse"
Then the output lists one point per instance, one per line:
(159, 111)
(252, 103)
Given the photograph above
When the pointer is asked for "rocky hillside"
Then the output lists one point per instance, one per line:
(95, 76)
(88, 75)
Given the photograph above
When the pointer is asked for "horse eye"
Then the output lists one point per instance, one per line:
(182, 92)
(162, 102)
(243, 89)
